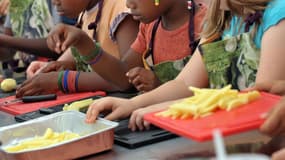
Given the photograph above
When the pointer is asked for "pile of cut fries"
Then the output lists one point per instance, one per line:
(49, 138)
(206, 101)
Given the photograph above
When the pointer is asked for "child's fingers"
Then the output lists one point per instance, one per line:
(97, 107)
(279, 155)
(141, 88)
(53, 43)
(69, 41)
(265, 86)
(26, 89)
(273, 122)
(93, 112)
(137, 81)
(49, 67)
(132, 73)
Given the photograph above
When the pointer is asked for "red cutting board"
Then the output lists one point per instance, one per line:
(21, 108)
(238, 120)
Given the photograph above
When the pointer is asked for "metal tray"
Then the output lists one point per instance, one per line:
(93, 138)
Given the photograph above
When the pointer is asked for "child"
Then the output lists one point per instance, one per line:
(27, 21)
(152, 33)
(109, 23)
(219, 19)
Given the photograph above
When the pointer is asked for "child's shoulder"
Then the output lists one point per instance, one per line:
(147, 26)
(115, 3)
(274, 12)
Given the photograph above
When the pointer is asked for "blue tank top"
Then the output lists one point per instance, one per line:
(273, 14)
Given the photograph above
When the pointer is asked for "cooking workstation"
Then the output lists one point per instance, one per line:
(96, 141)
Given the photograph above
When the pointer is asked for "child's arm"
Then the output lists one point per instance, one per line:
(272, 51)
(33, 46)
(109, 67)
(126, 33)
(193, 74)
(45, 83)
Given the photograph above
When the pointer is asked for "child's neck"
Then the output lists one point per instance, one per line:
(176, 16)
(92, 4)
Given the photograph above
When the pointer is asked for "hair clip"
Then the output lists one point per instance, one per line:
(189, 4)
(156, 2)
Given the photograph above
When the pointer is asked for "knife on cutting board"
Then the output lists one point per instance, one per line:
(28, 99)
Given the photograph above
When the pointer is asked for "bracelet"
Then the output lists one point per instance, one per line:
(76, 81)
(96, 59)
(93, 54)
(71, 81)
(59, 80)
(65, 84)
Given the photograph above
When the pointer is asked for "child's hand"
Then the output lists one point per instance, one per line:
(279, 155)
(275, 120)
(276, 87)
(34, 68)
(42, 83)
(57, 66)
(117, 108)
(138, 123)
(63, 36)
(144, 80)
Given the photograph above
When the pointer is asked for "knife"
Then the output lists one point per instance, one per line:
(28, 99)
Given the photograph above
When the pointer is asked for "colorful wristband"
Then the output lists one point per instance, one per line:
(65, 84)
(93, 54)
(96, 59)
(59, 80)
(76, 81)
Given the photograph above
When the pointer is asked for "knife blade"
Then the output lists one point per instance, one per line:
(29, 99)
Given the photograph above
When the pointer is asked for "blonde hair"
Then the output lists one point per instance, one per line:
(217, 20)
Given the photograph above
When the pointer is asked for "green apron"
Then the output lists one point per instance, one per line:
(231, 61)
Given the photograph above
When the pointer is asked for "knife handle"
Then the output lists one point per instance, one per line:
(39, 98)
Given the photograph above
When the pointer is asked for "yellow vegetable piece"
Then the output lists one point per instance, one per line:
(78, 105)
(206, 101)
(49, 138)
(8, 84)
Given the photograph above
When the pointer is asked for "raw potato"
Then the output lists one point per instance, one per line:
(206, 101)
(49, 138)
(8, 84)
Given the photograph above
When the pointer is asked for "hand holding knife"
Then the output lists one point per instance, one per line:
(28, 99)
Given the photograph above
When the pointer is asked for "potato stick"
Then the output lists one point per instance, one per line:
(223, 103)
(211, 100)
(47, 139)
(253, 95)
(197, 91)
(48, 133)
(186, 116)
(163, 113)
(237, 102)
(206, 114)
(208, 109)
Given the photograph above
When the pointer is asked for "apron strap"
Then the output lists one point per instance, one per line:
(191, 34)
(93, 25)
